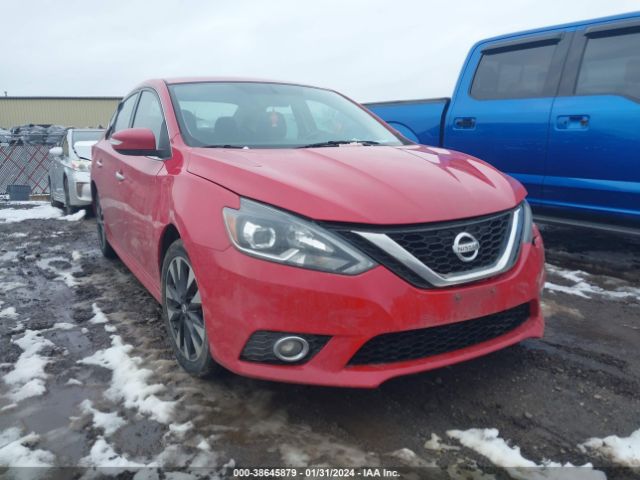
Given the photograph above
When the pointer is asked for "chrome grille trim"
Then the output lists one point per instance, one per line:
(504, 262)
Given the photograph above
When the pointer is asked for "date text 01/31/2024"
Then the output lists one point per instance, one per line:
(316, 472)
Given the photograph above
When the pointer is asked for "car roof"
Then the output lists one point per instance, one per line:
(564, 26)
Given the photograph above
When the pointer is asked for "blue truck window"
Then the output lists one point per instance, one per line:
(611, 65)
(517, 73)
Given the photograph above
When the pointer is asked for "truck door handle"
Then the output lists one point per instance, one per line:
(572, 122)
(99, 163)
(119, 176)
(464, 123)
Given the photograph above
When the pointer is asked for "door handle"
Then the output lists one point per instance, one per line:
(99, 163)
(464, 123)
(572, 122)
(119, 176)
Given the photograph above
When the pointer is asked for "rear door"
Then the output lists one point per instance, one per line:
(593, 162)
(500, 111)
(139, 190)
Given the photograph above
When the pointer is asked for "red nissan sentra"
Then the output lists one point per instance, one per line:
(291, 235)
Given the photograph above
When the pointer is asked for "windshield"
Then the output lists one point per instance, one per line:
(85, 135)
(269, 115)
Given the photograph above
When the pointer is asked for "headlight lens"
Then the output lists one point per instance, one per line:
(527, 223)
(271, 234)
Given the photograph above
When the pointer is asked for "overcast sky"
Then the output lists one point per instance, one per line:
(368, 49)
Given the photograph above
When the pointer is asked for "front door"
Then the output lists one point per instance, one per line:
(500, 112)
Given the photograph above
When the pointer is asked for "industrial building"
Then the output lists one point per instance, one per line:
(67, 111)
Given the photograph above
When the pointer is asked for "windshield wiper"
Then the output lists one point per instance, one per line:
(337, 143)
(223, 146)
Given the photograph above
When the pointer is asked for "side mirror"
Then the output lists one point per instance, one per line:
(135, 141)
(55, 151)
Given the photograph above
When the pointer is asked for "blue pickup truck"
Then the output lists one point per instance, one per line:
(558, 108)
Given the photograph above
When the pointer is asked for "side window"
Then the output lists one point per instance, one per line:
(611, 65)
(149, 115)
(520, 73)
(124, 115)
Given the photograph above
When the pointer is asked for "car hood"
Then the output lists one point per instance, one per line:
(362, 184)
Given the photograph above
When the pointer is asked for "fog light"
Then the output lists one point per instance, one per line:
(290, 349)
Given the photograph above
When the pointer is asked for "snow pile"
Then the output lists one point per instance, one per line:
(27, 379)
(582, 288)
(108, 422)
(15, 451)
(487, 442)
(129, 381)
(624, 451)
(41, 211)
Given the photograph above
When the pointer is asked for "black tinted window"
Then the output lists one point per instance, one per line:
(149, 115)
(513, 74)
(124, 115)
(611, 65)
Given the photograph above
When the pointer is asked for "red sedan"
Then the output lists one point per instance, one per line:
(291, 235)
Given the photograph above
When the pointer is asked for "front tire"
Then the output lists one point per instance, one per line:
(68, 208)
(183, 314)
(105, 247)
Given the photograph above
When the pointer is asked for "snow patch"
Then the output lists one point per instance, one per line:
(435, 443)
(583, 288)
(8, 286)
(65, 275)
(103, 455)
(76, 255)
(293, 456)
(623, 451)
(15, 452)
(108, 422)
(27, 379)
(129, 381)
(487, 442)
(9, 312)
(73, 381)
(98, 315)
(63, 326)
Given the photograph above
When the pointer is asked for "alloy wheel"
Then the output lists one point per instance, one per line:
(184, 308)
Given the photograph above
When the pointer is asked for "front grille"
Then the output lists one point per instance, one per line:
(259, 347)
(432, 244)
(426, 342)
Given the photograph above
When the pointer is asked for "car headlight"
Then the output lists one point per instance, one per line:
(271, 234)
(527, 223)
(80, 165)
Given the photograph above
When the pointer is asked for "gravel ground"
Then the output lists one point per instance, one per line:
(89, 381)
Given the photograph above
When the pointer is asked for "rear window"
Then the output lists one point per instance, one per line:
(518, 73)
(611, 65)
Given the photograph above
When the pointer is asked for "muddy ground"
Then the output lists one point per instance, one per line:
(546, 396)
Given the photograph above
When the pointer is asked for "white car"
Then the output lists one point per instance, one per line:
(70, 169)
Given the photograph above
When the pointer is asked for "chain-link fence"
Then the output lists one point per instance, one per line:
(23, 163)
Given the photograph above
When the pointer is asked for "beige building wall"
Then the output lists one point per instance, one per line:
(68, 111)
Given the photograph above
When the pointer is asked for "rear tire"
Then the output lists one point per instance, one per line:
(183, 314)
(105, 247)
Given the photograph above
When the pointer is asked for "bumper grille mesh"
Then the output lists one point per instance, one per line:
(426, 342)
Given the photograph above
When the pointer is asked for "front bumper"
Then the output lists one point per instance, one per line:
(243, 295)
(79, 187)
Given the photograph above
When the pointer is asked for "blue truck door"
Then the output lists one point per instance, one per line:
(594, 143)
(500, 110)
